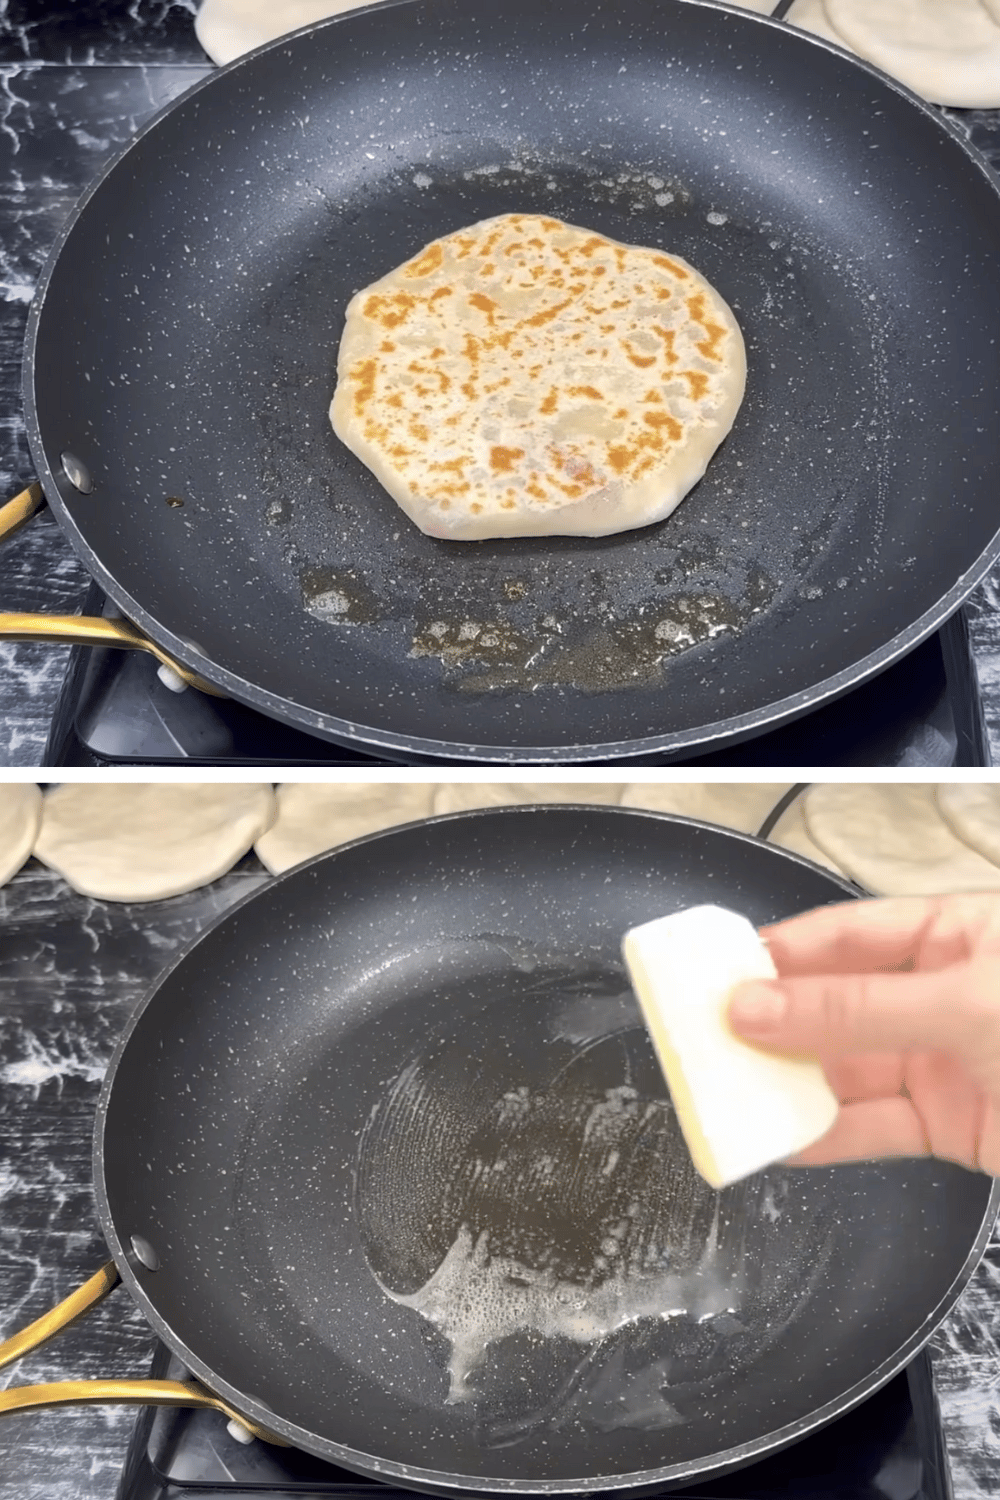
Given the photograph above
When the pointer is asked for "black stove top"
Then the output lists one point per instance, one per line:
(116, 710)
(890, 1447)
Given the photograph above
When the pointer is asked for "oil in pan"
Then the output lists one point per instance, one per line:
(541, 1212)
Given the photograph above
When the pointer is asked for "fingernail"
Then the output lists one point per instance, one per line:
(757, 1007)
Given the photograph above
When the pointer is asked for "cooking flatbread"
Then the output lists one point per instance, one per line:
(20, 815)
(743, 805)
(228, 28)
(892, 840)
(972, 812)
(143, 841)
(457, 796)
(946, 50)
(523, 377)
(315, 816)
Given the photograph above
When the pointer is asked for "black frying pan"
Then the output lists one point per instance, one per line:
(424, 1041)
(183, 341)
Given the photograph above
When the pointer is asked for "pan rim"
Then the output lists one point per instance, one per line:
(408, 748)
(435, 1481)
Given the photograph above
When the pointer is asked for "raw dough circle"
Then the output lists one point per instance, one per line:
(892, 840)
(315, 816)
(143, 841)
(20, 815)
(946, 50)
(972, 812)
(743, 805)
(809, 15)
(790, 832)
(228, 28)
(457, 796)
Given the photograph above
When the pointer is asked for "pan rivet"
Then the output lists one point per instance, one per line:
(144, 1253)
(171, 679)
(76, 472)
(238, 1431)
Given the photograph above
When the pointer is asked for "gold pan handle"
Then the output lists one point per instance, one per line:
(19, 511)
(85, 630)
(79, 630)
(126, 1393)
(57, 1318)
(104, 1392)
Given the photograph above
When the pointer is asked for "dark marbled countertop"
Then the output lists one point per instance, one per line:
(71, 970)
(77, 80)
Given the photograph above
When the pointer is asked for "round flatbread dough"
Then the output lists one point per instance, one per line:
(315, 816)
(228, 28)
(892, 840)
(143, 841)
(810, 15)
(525, 377)
(762, 7)
(458, 796)
(20, 815)
(790, 832)
(993, 6)
(972, 812)
(743, 805)
(948, 51)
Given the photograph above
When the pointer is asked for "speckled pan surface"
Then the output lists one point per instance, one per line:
(844, 222)
(363, 1044)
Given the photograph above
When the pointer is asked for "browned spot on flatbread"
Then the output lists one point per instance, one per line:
(427, 262)
(484, 304)
(619, 457)
(663, 419)
(547, 314)
(364, 379)
(502, 460)
(715, 333)
(390, 311)
(641, 361)
(669, 336)
(666, 264)
(697, 382)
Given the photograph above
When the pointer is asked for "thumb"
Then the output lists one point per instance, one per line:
(956, 1010)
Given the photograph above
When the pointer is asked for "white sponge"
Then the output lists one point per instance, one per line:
(740, 1108)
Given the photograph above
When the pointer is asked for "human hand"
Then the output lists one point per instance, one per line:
(914, 1056)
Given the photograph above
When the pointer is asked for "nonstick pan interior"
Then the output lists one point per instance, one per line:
(421, 1052)
(851, 508)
